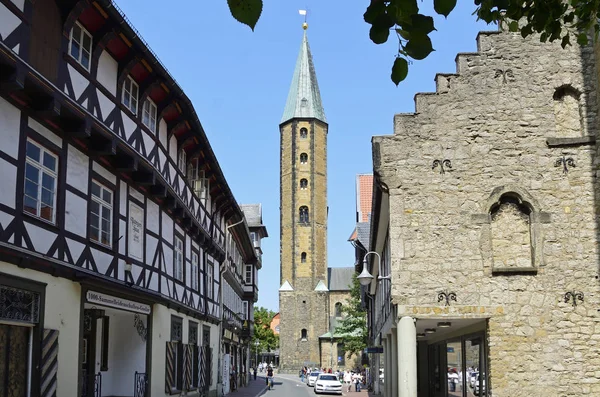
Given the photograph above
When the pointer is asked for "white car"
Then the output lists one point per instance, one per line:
(328, 383)
(476, 388)
(312, 378)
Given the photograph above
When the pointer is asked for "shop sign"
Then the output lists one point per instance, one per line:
(136, 229)
(374, 349)
(118, 303)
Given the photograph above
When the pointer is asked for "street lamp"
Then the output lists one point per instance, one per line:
(365, 277)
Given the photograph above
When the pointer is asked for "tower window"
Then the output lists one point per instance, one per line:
(303, 184)
(304, 335)
(338, 310)
(303, 158)
(304, 214)
(303, 133)
(303, 257)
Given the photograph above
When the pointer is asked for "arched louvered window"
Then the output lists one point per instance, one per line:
(303, 158)
(303, 257)
(303, 133)
(304, 334)
(304, 214)
(303, 184)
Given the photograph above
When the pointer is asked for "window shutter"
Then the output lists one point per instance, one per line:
(180, 367)
(49, 363)
(170, 367)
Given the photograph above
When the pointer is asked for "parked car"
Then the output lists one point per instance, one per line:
(312, 378)
(328, 383)
(476, 388)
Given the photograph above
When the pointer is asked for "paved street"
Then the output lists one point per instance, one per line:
(285, 385)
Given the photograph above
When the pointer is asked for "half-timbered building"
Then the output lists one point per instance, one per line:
(115, 217)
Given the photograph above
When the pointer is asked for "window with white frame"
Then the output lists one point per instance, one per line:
(181, 161)
(130, 94)
(178, 259)
(245, 310)
(194, 275)
(80, 45)
(41, 168)
(101, 214)
(248, 277)
(209, 280)
(149, 115)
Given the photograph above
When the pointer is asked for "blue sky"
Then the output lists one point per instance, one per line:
(238, 81)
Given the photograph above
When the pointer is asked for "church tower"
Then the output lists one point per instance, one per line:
(303, 296)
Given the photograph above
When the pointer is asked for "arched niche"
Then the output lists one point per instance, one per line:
(567, 112)
(512, 240)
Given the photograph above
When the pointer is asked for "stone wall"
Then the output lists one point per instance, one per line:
(303, 308)
(503, 204)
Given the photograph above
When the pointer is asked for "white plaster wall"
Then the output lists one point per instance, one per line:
(167, 227)
(45, 132)
(173, 149)
(10, 120)
(123, 198)
(61, 313)
(79, 82)
(8, 179)
(162, 132)
(136, 194)
(126, 354)
(104, 172)
(8, 21)
(152, 216)
(19, 3)
(108, 70)
(77, 169)
(76, 214)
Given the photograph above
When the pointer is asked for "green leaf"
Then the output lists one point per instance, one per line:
(422, 24)
(402, 11)
(379, 35)
(246, 11)
(513, 26)
(444, 7)
(373, 11)
(418, 47)
(399, 70)
(403, 33)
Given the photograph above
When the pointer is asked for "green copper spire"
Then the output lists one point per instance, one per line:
(304, 98)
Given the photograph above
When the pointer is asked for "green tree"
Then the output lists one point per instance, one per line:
(551, 19)
(353, 326)
(267, 340)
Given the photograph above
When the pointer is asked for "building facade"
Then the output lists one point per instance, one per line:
(485, 215)
(303, 301)
(116, 221)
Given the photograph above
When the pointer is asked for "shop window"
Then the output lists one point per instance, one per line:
(41, 168)
(130, 94)
(193, 350)
(303, 213)
(303, 133)
(338, 310)
(174, 358)
(304, 335)
(101, 214)
(303, 158)
(80, 45)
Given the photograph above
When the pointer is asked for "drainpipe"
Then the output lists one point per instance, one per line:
(222, 267)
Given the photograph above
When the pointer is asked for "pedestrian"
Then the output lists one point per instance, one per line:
(357, 382)
(348, 380)
(254, 372)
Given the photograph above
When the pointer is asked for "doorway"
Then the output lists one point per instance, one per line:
(14, 360)
(457, 367)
